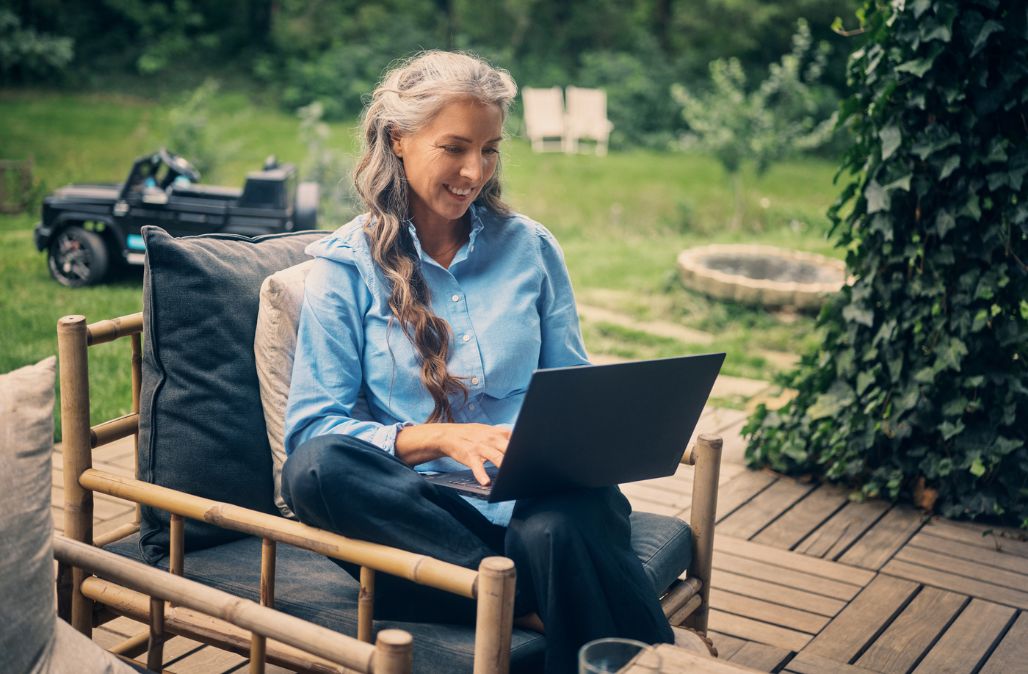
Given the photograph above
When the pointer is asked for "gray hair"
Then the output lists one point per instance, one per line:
(408, 97)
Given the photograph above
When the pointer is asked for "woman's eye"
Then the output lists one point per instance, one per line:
(452, 149)
(492, 150)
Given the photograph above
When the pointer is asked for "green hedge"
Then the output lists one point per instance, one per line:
(921, 385)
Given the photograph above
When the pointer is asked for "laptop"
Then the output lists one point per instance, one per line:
(596, 426)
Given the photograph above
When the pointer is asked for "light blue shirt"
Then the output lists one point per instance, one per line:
(507, 297)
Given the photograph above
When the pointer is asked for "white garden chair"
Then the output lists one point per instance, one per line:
(587, 119)
(544, 117)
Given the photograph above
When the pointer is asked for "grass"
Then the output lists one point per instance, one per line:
(621, 221)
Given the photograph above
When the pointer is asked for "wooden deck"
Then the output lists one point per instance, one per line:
(804, 581)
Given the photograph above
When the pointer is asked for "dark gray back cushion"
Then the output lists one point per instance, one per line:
(201, 426)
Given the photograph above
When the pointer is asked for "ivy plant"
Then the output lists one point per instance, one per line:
(920, 389)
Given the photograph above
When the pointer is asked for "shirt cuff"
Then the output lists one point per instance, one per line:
(385, 437)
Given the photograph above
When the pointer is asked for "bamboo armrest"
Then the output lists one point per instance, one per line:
(420, 569)
(267, 622)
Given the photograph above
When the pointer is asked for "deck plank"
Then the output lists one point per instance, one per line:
(760, 656)
(784, 576)
(963, 567)
(763, 508)
(799, 521)
(755, 630)
(913, 631)
(982, 535)
(792, 618)
(207, 660)
(741, 489)
(857, 624)
(968, 640)
(1010, 654)
(777, 594)
(974, 553)
(884, 539)
(806, 662)
(792, 560)
(957, 583)
(843, 528)
(725, 644)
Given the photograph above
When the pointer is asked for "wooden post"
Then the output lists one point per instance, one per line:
(394, 652)
(177, 545)
(366, 605)
(707, 455)
(258, 643)
(75, 446)
(495, 619)
(155, 650)
(137, 385)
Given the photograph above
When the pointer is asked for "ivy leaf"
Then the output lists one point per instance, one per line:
(864, 379)
(949, 166)
(950, 429)
(987, 29)
(977, 467)
(877, 198)
(891, 138)
(916, 67)
(944, 222)
(832, 402)
(859, 314)
(920, 7)
(952, 353)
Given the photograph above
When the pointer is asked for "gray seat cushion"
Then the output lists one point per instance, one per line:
(201, 426)
(312, 587)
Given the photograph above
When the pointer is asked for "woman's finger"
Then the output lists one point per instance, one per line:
(478, 469)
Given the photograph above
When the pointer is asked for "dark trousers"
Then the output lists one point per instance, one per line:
(573, 555)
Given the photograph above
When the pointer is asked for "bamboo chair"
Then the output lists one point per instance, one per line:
(391, 653)
(87, 602)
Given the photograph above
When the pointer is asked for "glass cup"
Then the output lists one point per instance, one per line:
(604, 656)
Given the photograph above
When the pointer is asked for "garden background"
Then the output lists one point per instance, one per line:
(722, 133)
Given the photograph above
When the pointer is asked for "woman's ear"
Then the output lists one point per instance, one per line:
(396, 143)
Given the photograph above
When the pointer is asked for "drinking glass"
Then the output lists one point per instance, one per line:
(604, 656)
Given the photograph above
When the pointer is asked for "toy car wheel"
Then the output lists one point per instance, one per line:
(77, 257)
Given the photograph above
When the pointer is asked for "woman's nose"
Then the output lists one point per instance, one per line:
(473, 169)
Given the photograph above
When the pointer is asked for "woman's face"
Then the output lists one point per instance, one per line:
(450, 159)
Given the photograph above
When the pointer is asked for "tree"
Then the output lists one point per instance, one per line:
(784, 114)
(920, 389)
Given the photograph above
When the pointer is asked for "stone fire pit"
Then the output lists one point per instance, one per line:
(761, 275)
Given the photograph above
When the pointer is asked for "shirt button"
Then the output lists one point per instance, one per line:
(455, 298)
(466, 338)
(474, 380)
(471, 406)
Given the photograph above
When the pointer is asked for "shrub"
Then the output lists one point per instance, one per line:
(26, 54)
(189, 129)
(921, 385)
(787, 113)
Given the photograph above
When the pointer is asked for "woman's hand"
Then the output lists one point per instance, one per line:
(469, 444)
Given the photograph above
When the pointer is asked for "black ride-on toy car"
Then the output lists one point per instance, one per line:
(86, 228)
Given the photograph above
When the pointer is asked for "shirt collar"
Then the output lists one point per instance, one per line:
(477, 224)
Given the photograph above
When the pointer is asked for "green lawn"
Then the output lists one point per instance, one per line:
(621, 220)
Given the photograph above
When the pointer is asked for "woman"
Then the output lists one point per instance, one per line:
(422, 322)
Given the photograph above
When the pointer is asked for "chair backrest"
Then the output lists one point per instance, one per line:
(544, 112)
(587, 113)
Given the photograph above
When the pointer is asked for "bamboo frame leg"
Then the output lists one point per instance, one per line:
(155, 650)
(366, 605)
(702, 519)
(258, 643)
(495, 619)
(76, 447)
(394, 652)
(133, 646)
(177, 545)
(137, 384)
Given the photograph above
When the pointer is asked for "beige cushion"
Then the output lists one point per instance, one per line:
(31, 638)
(274, 344)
